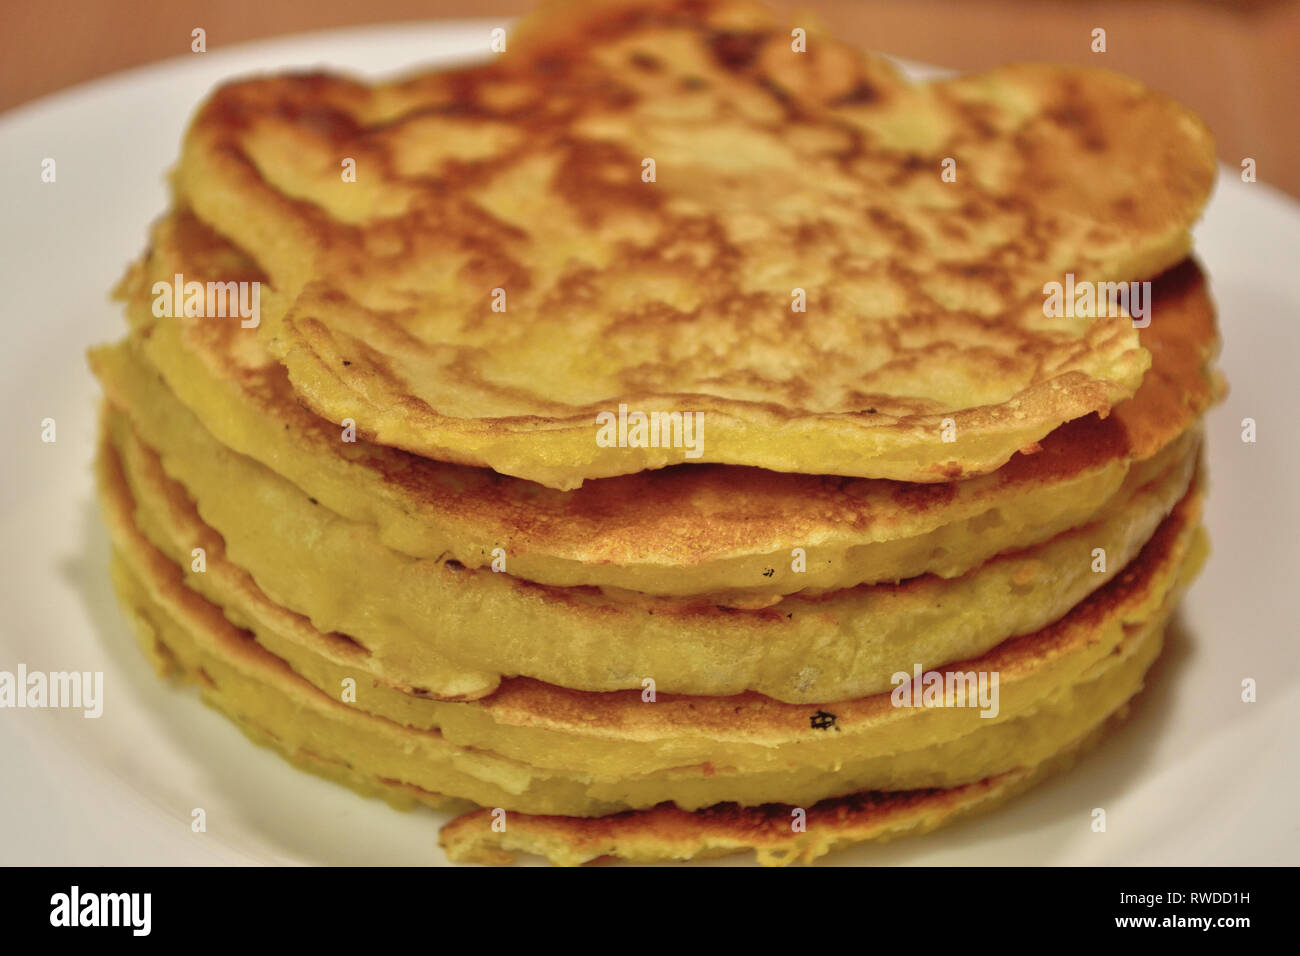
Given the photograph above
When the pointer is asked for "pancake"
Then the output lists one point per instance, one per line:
(924, 353)
(241, 677)
(614, 734)
(453, 632)
(721, 531)
(669, 833)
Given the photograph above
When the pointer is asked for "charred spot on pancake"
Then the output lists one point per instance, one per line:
(860, 95)
(645, 61)
(320, 119)
(1074, 113)
(735, 50)
(780, 94)
(895, 228)
(918, 495)
(549, 63)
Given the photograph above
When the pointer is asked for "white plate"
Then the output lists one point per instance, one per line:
(1197, 776)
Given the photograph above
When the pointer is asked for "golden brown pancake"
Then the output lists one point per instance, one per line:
(669, 833)
(784, 180)
(724, 532)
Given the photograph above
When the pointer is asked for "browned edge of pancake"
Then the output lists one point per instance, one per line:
(669, 833)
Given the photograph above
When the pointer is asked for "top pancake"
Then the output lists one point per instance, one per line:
(775, 171)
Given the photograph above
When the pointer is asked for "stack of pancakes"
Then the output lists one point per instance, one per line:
(386, 525)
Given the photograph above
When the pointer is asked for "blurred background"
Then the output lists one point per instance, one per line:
(1236, 62)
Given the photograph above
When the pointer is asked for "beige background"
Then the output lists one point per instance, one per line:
(1237, 63)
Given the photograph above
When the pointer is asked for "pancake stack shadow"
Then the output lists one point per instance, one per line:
(662, 439)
